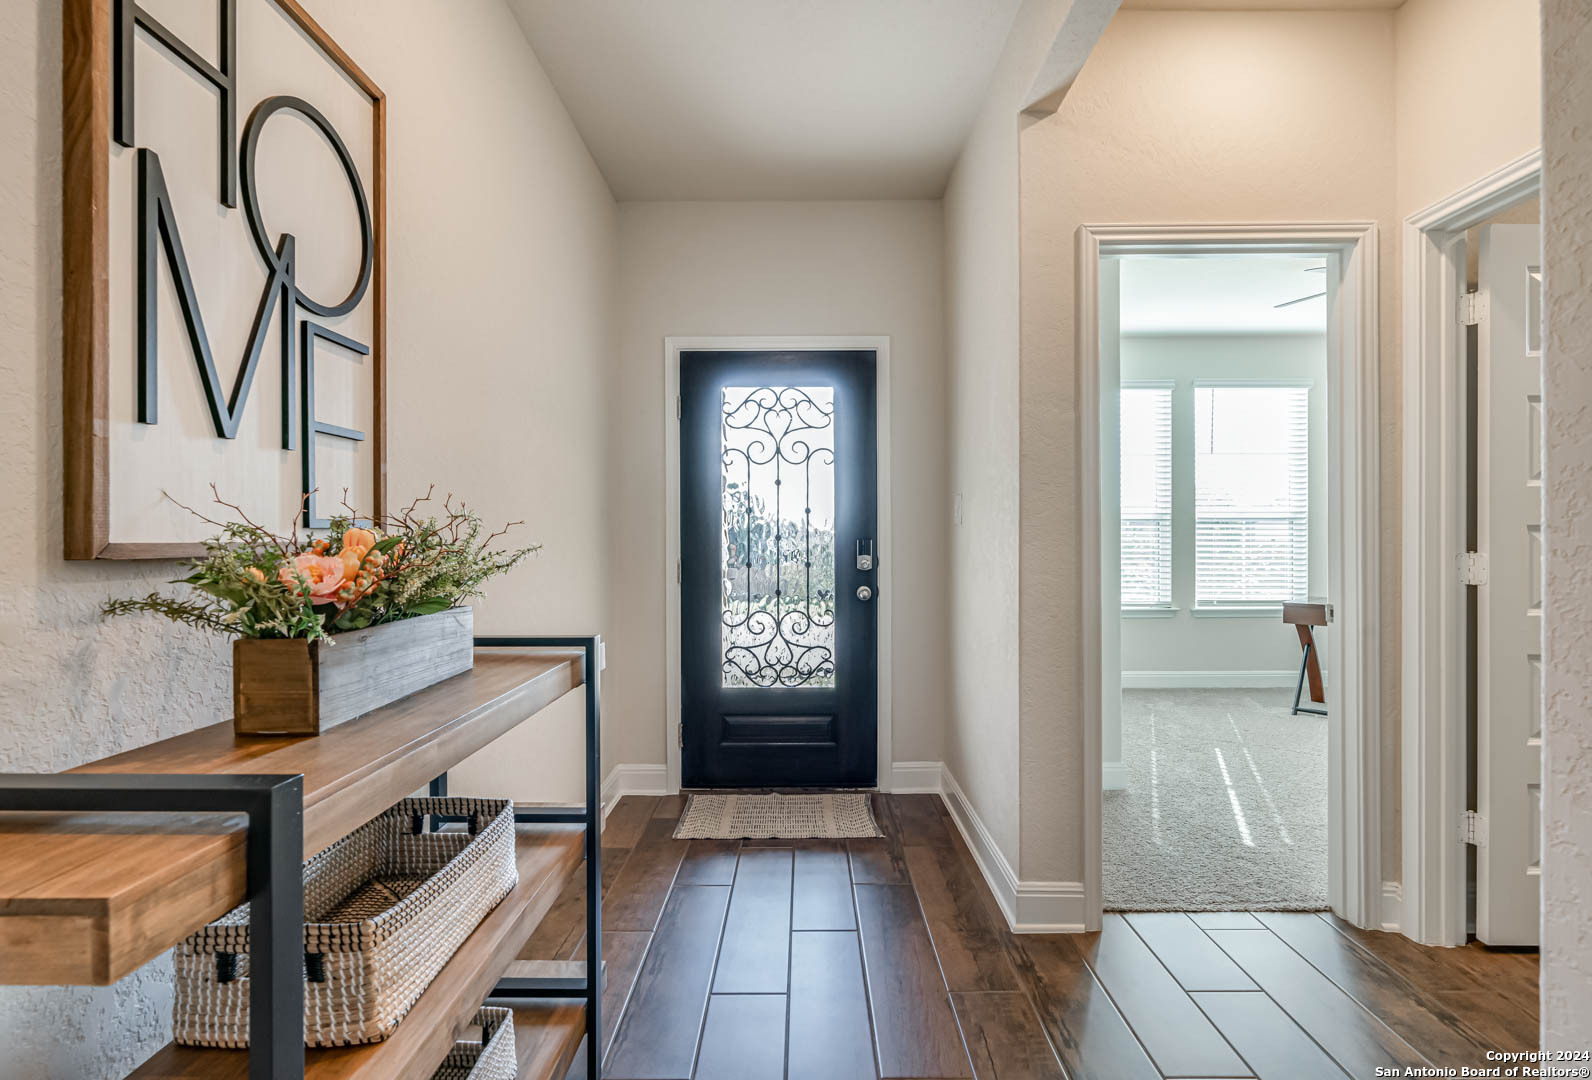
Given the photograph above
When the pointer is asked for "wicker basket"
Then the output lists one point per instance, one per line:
(492, 1058)
(384, 909)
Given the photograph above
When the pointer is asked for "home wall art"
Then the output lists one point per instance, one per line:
(224, 271)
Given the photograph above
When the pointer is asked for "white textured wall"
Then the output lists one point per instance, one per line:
(1567, 481)
(71, 686)
(787, 269)
(1212, 643)
(501, 235)
(981, 327)
(1469, 92)
(1180, 117)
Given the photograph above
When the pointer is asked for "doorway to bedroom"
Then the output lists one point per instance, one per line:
(1215, 734)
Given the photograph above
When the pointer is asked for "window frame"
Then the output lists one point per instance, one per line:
(1248, 608)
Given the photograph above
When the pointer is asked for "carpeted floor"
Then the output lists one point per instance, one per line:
(1226, 804)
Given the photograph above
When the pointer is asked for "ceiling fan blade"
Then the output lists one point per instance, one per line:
(1302, 299)
(1315, 269)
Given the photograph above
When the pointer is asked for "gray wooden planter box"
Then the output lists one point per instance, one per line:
(298, 687)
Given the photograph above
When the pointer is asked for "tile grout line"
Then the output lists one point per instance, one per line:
(718, 948)
(1351, 995)
(790, 959)
(1008, 945)
(862, 953)
(1308, 1033)
(923, 917)
(1175, 982)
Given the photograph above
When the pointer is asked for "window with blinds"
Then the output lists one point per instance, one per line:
(1251, 494)
(1146, 433)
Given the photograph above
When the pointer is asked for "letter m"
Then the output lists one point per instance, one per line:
(157, 230)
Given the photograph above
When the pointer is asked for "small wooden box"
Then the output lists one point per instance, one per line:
(298, 687)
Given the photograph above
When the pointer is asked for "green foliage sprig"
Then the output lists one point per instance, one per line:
(252, 582)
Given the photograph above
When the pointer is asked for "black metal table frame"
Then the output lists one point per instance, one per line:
(589, 987)
(274, 851)
(273, 854)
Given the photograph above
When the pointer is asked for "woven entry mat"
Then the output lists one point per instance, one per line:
(781, 817)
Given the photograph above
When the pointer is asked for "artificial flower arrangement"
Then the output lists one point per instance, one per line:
(253, 583)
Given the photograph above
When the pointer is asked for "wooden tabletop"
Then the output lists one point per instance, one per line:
(88, 898)
(1305, 612)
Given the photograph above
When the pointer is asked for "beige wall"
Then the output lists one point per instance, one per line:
(981, 334)
(1567, 480)
(1180, 117)
(1221, 116)
(1468, 91)
(501, 253)
(787, 269)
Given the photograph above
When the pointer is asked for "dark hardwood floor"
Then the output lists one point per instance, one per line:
(888, 958)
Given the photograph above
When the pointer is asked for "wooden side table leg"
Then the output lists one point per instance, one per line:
(1307, 642)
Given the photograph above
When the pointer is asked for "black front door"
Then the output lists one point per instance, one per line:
(779, 675)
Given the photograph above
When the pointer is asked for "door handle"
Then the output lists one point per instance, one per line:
(864, 593)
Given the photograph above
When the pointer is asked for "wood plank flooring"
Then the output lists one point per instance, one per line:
(889, 959)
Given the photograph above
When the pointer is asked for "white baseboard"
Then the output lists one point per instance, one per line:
(1113, 776)
(916, 778)
(1030, 907)
(1392, 916)
(1197, 680)
(633, 780)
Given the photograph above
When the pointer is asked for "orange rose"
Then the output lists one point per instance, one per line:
(255, 574)
(359, 538)
(323, 575)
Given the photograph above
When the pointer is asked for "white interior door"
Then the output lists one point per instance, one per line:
(1509, 604)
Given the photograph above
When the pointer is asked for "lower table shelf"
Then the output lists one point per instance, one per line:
(546, 854)
(547, 1035)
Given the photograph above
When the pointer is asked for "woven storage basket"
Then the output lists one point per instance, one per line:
(384, 909)
(492, 1058)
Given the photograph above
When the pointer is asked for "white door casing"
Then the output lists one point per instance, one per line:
(1509, 603)
(1435, 494)
(1114, 772)
(883, 544)
(1353, 479)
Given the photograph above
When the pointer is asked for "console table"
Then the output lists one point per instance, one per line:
(107, 866)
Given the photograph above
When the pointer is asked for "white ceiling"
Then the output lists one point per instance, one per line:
(770, 99)
(1221, 294)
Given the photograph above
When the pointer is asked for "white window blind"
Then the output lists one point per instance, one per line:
(1251, 494)
(1146, 432)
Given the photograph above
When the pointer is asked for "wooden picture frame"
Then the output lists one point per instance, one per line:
(86, 67)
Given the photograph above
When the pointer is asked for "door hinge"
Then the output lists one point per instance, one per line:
(1472, 568)
(679, 731)
(679, 574)
(1472, 308)
(1473, 829)
(679, 409)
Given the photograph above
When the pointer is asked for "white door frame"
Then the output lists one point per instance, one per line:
(1433, 652)
(1353, 495)
(879, 345)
